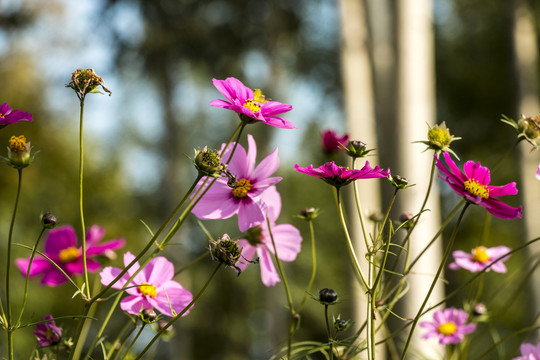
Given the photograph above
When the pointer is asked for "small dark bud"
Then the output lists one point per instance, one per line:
(405, 218)
(328, 296)
(309, 214)
(399, 182)
(341, 325)
(148, 315)
(357, 149)
(376, 217)
(48, 220)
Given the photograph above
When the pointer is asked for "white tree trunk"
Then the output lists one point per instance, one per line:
(359, 109)
(526, 56)
(416, 109)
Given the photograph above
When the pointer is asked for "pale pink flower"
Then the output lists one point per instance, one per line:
(480, 258)
(448, 325)
(529, 352)
(245, 196)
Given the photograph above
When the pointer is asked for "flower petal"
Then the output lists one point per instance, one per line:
(61, 238)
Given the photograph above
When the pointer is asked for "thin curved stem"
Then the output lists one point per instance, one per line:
(313, 262)
(134, 341)
(81, 207)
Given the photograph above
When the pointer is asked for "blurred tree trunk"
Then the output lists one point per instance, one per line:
(358, 95)
(416, 108)
(526, 62)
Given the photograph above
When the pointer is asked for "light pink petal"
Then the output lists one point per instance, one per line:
(134, 304)
(278, 122)
(158, 271)
(128, 258)
(61, 238)
(172, 294)
(238, 165)
(250, 213)
(269, 276)
(217, 203)
(248, 253)
(267, 166)
(538, 173)
(287, 239)
(275, 108)
(272, 199)
(249, 161)
(109, 273)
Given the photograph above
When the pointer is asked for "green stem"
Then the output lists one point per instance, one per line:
(313, 262)
(134, 341)
(8, 324)
(118, 344)
(25, 296)
(435, 280)
(287, 290)
(359, 207)
(81, 207)
(356, 264)
(328, 332)
(195, 299)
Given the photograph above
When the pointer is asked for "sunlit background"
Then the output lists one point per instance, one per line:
(158, 58)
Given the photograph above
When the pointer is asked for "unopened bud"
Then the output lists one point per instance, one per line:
(48, 220)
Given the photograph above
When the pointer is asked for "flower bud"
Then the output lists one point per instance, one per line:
(404, 218)
(399, 182)
(226, 251)
(479, 309)
(328, 296)
(208, 162)
(48, 220)
(439, 139)
(19, 152)
(309, 214)
(148, 315)
(357, 149)
(341, 325)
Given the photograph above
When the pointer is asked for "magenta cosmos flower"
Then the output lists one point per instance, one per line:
(152, 287)
(474, 186)
(449, 325)
(258, 243)
(246, 102)
(244, 198)
(480, 258)
(61, 247)
(12, 116)
(340, 176)
(332, 143)
(47, 333)
(529, 352)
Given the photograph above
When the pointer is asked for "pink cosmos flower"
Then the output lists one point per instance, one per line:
(332, 143)
(480, 258)
(11, 116)
(538, 173)
(246, 102)
(152, 287)
(244, 198)
(529, 352)
(449, 325)
(47, 333)
(259, 244)
(474, 186)
(339, 176)
(61, 247)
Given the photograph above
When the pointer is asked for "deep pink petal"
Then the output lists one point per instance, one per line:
(94, 234)
(54, 278)
(104, 247)
(278, 122)
(500, 209)
(275, 108)
(61, 238)
(39, 265)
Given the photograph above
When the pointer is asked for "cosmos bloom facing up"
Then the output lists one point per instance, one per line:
(47, 333)
(244, 198)
(12, 116)
(448, 325)
(258, 242)
(480, 258)
(253, 104)
(529, 352)
(474, 186)
(339, 176)
(61, 247)
(152, 287)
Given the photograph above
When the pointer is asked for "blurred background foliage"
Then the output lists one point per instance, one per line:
(158, 58)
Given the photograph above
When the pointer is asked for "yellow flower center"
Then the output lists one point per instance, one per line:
(448, 328)
(147, 289)
(480, 255)
(68, 255)
(49, 334)
(474, 188)
(242, 188)
(255, 103)
(17, 144)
